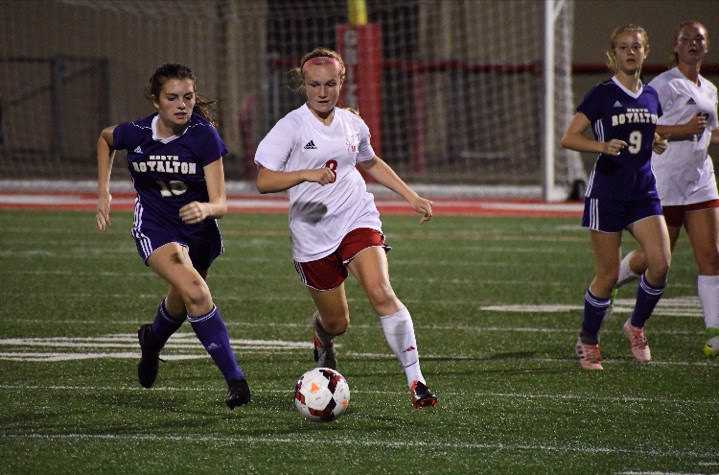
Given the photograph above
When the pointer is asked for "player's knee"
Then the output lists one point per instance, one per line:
(196, 294)
(708, 261)
(661, 268)
(606, 280)
(335, 324)
(175, 306)
(381, 295)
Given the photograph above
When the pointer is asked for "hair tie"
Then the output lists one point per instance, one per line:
(319, 59)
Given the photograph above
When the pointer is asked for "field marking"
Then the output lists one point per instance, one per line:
(289, 390)
(688, 306)
(682, 307)
(304, 438)
(46, 357)
(293, 278)
(367, 326)
(179, 343)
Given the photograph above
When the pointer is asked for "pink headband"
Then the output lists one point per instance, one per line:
(322, 59)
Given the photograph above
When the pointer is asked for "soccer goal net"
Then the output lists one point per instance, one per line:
(461, 96)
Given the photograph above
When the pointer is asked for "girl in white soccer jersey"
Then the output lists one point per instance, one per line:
(622, 191)
(685, 173)
(175, 160)
(334, 223)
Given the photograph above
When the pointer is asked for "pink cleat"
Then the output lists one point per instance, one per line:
(589, 356)
(638, 342)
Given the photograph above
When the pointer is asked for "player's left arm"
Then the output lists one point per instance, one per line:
(216, 207)
(385, 176)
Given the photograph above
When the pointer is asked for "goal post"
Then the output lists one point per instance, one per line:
(558, 106)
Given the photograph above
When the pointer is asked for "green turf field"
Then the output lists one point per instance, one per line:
(496, 307)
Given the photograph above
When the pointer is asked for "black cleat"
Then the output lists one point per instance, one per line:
(150, 360)
(238, 393)
(421, 396)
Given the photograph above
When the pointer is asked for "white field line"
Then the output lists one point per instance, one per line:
(303, 438)
(365, 326)
(474, 394)
(356, 326)
(398, 262)
(667, 307)
(95, 253)
(57, 357)
(123, 341)
(178, 348)
(291, 277)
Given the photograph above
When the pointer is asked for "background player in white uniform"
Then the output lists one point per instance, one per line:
(622, 191)
(685, 173)
(334, 223)
(175, 161)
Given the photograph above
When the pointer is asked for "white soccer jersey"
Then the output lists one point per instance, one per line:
(684, 172)
(320, 216)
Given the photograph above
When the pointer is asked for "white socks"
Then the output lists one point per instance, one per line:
(399, 333)
(625, 273)
(708, 291)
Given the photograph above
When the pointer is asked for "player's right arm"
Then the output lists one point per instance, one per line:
(687, 131)
(574, 138)
(272, 155)
(105, 157)
(271, 181)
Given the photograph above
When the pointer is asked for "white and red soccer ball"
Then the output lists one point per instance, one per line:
(321, 395)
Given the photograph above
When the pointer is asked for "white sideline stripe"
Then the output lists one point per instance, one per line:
(687, 306)
(54, 357)
(358, 326)
(660, 310)
(39, 356)
(128, 341)
(125, 340)
(293, 278)
(486, 394)
(304, 439)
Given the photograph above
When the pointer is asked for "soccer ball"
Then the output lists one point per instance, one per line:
(321, 395)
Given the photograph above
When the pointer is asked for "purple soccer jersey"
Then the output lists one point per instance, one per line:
(617, 113)
(168, 173)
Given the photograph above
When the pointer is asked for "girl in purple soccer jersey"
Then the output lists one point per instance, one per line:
(175, 161)
(334, 224)
(685, 173)
(621, 193)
